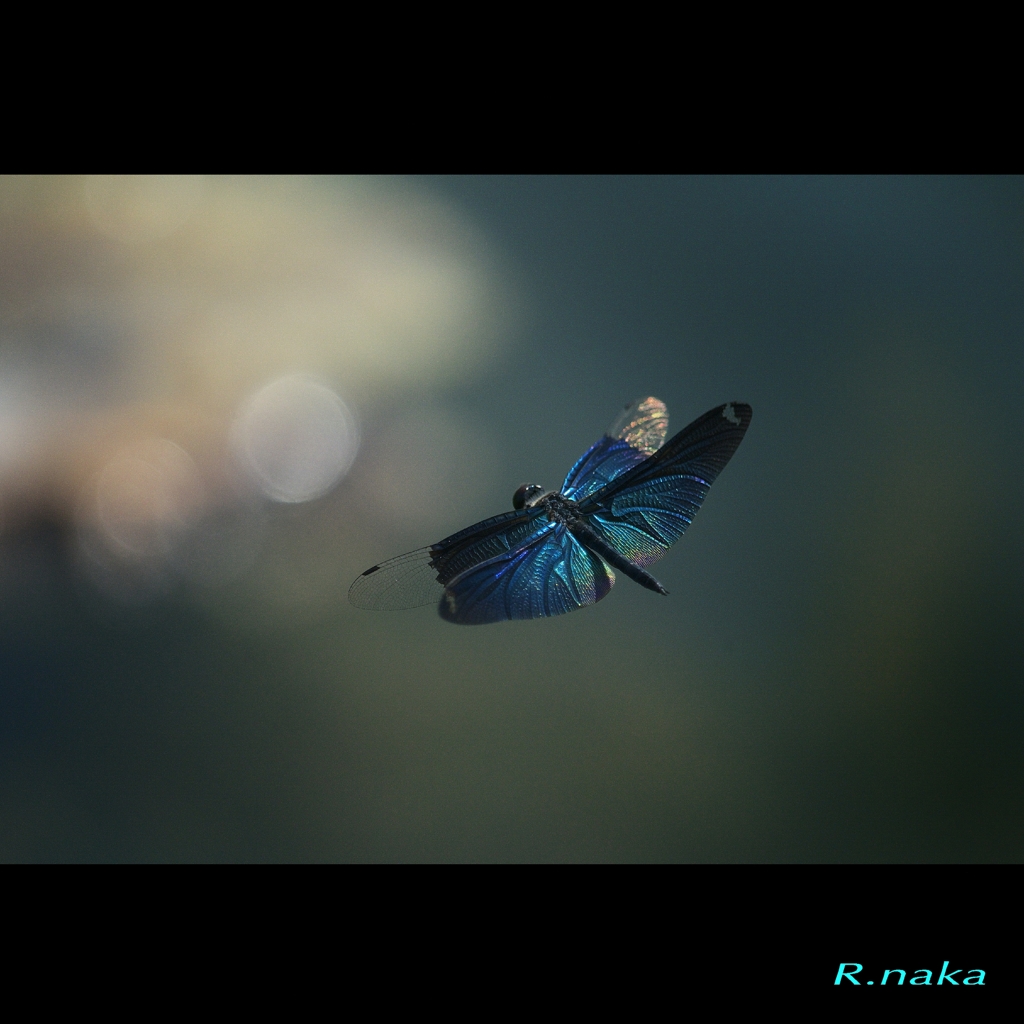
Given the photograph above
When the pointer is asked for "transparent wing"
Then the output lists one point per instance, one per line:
(636, 433)
(418, 577)
(647, 509)
(644, 424)
(550, 575)
(407, 581)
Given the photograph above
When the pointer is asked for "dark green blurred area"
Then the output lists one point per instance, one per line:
(836, 676)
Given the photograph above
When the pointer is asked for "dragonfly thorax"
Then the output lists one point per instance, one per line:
(559, 508)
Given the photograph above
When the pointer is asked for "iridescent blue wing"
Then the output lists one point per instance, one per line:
(418, 577)
(549, 573)
(518, 565)
(645, 510)
(637, 432)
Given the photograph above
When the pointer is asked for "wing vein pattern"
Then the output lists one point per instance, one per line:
(647, 508)
(638, 493)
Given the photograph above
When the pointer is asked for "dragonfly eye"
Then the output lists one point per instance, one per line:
(525, 496)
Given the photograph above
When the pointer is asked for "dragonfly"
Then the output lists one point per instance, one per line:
(629, 497)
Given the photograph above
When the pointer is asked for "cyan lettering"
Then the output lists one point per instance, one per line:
(943, 976)
(979, 980)
(902, 974)
(844, 973)
(926, 980)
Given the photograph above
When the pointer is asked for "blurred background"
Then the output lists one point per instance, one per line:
(223, 398)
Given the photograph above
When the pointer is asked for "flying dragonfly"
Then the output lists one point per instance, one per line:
(627, 500)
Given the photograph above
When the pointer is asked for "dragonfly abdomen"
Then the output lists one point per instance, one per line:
(586, 536)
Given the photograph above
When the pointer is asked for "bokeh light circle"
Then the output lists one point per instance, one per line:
(295, 439)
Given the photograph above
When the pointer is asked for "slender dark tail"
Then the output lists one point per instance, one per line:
(586, 536)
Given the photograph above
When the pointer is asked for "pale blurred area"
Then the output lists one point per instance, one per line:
(181, 354)
(223, 398)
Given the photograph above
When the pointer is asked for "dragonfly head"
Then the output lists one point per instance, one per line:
(527, 495)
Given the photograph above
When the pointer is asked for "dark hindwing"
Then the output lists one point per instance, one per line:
(648, 508)
(550, 574)
(485, 540)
